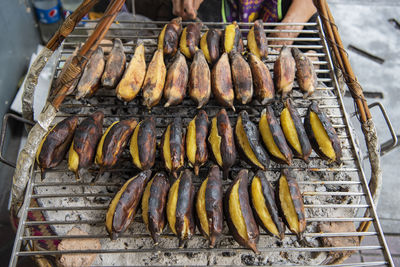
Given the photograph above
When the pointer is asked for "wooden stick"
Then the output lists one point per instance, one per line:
(69, 24)
(79, 61)
(342, 59)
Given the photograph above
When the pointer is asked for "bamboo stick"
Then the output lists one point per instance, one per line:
(79, 61)
(342, 59)
(69, 24)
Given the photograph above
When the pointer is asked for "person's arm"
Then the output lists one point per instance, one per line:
(299, 11)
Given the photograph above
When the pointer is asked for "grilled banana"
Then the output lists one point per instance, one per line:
(199, 80)
(153, 205)
(322, 135)
(173, 148)
(55, 143)
(242, 79)
(239, 215)
(291, 203)
(190, 39)
(86, 138)
(257, 40)
(209, 206)
(305, 72)
(180, 207)
(221, 82)
(209, 44)
(264, 206)
(123, 206)
(196, 146)
(222, 142)
(232, 39)
(284, 71)
(248, 141)
(263, 85)
(133, 78)
(154, 80)
(90, 79)
(169, 37)
(143, 144)
(113, 142)
(273, 137)
(115, 65)
(177, 79)
(294, 131)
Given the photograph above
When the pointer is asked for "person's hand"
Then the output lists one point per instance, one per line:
(284, 35)
(187, 9)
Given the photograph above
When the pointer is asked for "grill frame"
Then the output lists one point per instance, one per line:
(365, 194)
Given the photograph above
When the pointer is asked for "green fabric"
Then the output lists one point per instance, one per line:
(223, 10)
(279, 9)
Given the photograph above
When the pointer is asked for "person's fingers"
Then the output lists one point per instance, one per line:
(177, 8)
(197, 4)
(188, 8)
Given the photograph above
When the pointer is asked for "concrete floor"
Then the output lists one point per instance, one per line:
(364, 24)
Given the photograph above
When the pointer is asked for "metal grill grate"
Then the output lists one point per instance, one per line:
(331, 193)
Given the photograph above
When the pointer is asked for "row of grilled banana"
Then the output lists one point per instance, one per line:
(282, 142)
(225, 80)
(183, 209)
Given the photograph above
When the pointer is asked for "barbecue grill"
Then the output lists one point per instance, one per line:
(332, 193)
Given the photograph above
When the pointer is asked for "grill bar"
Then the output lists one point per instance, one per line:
(348, 234)
(94, 222)
(196, 250)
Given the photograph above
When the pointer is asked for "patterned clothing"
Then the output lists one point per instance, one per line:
(251, 10)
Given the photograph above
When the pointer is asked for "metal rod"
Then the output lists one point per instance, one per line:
(196, 250)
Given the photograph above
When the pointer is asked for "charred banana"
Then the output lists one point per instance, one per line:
(221, 82)
(222, 142)
(305, 72)
(190, 39)
(232, 39)
(123, 206)
(248, 140)
(284, 71)
(180, 207)
(55, 143)
(322, 135)
(199, 80)
(257, 42)
(264, 205)
(176, 81)
(209, 44)
(242, 79)
(153, 205)
(115, 65)
(239, 215)
(143, 144)
(294, 131)
(173, 148)
(90, 79)
(154, 80)
(196, 145)
(83, 147)
(133, 78)
(291, 203)
(273, 137)
(264, 89)
(113, 142)
(169, 37)
(209, 206)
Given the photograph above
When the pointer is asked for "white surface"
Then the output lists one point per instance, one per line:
(42, 87)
